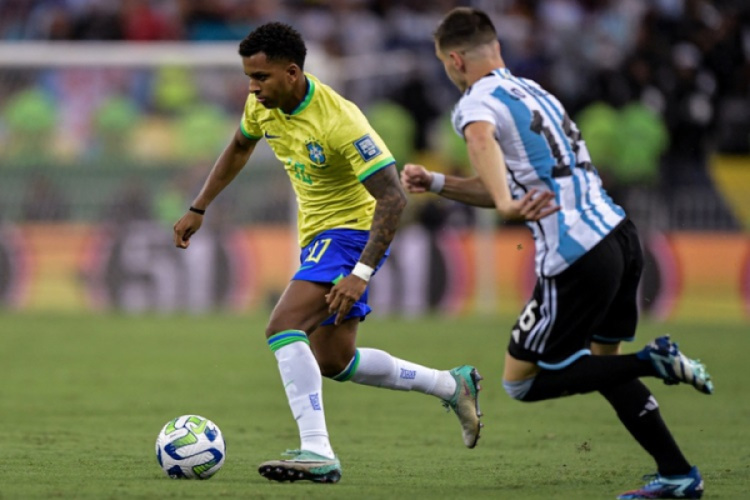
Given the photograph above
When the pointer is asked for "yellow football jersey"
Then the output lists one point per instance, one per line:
(328, 148)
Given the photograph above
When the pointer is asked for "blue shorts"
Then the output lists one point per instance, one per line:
(331, 256)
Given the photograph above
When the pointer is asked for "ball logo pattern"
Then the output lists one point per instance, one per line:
(190, 447)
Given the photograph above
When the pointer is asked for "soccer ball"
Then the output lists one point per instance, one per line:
(190, 447)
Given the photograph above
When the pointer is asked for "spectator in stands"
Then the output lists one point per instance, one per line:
(13, 17)
(396, 127)
(414, 96)
(689, 114)
(44, 201)
(29, 115)
(132, 203)
(98, 20)
(686, 60)
(142, 22)
(114, 123)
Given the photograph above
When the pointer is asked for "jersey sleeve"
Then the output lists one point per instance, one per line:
(359, 144)
(249, 125)
(472, 108)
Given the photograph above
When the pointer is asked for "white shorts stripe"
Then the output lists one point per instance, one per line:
(541, 324)
(553, 315)
(533, 340)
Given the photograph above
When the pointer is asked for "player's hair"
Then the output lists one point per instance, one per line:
(278, 41)
(464, 27)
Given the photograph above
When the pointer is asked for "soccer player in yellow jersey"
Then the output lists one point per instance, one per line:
(350, 202)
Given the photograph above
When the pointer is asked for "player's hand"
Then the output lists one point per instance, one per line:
(185, 228)
(343, 295)
(535, 205)
(415, 178)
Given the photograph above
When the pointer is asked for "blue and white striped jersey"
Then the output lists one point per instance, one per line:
(543, 149)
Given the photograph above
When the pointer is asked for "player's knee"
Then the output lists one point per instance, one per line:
(518, 389)
(270, 331)
(330, 368)
(272, 328)
(278, 326)
(602, 349)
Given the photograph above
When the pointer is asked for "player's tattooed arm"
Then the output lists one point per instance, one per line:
(391, 200)
(385, 187)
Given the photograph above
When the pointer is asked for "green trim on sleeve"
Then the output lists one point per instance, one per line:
(378, 166)
(248, 134)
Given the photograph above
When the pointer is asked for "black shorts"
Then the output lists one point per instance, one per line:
(593, 299)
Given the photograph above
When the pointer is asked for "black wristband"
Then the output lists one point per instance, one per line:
(197, 210)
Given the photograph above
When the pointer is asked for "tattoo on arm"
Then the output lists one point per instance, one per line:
(385, 187)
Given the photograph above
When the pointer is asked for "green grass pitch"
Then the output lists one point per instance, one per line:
(83, 397)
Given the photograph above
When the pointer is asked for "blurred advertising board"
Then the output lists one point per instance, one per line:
(136, 269)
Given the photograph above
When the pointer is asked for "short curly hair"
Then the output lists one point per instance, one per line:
(278, 41)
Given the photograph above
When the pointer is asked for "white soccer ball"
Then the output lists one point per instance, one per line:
(190, 447)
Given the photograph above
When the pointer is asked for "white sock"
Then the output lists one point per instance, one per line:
(304, 390)
(380, 369)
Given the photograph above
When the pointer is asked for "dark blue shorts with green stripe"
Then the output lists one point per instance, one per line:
(330, 256)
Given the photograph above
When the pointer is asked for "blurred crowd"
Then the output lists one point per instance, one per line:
(657, 86)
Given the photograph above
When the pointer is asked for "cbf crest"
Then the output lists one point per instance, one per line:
(316, 153)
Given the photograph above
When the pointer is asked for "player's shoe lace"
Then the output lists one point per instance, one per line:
(674, 367)
(689, 485)
(304, 465)
(465, 402)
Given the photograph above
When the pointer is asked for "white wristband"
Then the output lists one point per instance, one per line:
(438, 181)
(363, 271)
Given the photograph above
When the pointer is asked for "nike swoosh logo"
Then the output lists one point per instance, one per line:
(170, 427)
(200, 424)
(269, 136)
(305, 267)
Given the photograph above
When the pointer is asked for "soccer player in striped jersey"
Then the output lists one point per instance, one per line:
(532, 164)
(349, 205)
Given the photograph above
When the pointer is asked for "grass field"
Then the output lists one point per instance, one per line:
(83, 397)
